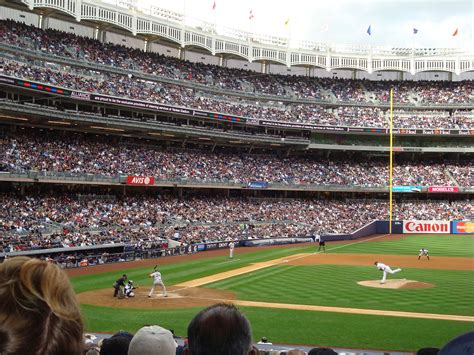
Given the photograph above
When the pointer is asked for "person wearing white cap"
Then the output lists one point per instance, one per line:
(152, 340)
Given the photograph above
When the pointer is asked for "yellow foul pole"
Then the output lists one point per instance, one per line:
(391, 162)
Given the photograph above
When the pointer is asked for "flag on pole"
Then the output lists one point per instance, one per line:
(415, 31)
(251, 16)
(287, 21)
(214, 5)
(369, 30)
(456, 32)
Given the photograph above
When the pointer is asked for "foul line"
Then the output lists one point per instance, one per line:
(374, 312)
(263, 265)
(258, 266)
(225, 262)
(370, 312)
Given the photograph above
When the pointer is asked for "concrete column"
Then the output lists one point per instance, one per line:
(182, 53)
(43, 22)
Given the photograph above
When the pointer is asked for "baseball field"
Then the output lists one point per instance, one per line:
(296, 295)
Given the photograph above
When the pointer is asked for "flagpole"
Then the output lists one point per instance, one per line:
(215, 19)
(251, 16)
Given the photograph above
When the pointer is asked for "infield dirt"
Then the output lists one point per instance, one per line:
(189, 294)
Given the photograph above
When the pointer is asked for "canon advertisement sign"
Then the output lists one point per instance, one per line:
(440, 227)
(140, 180)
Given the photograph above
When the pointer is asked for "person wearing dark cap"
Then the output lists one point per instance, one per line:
(120, 283)
(220, 329)
(322, 351)
(428, 351)
(117, 344)
(461, 345)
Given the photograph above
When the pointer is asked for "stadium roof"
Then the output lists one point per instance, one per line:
(402, 23)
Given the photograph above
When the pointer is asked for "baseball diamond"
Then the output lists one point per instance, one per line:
(236, 284)
(199, 187)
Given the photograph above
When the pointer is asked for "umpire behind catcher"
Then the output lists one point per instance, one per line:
(119, 283)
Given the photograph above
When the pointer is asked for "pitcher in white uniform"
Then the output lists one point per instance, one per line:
(157, 281)
(386, 269)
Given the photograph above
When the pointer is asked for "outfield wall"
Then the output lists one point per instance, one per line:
(406, 227)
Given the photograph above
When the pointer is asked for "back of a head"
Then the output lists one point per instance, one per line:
(296, 352)
(461, 345)
(428, 351)
(39, 313)
(152, 340)
(117, 344)
(219, 329)
(322, 351)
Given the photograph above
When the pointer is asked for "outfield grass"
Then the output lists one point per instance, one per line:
(333, 285)
(438, 245)
(297, 327)
(336, 285)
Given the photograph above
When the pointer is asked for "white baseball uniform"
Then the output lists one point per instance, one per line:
(157, 281)
(423, 252)
(386, 269)
(231, 249)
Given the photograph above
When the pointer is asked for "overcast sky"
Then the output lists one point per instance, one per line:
(341, 21)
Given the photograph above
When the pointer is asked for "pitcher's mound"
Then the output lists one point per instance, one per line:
(396, 283)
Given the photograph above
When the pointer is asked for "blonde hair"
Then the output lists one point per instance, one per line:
(39, 313)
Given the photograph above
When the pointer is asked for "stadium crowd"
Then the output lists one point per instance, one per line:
(288, 87)
(154, 219)
(76, 154)
(172, 94)
(87, 49)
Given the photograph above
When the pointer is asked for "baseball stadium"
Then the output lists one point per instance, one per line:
(158, 165)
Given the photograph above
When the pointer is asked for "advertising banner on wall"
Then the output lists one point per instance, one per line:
(462, 227)
(439, 227)
(443, 189)
(257, 185)
(406, 188)
(140, 180)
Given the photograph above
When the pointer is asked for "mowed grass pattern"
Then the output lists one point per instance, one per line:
(182, 270)
(336, 285)
(438, 245)
(333, 285)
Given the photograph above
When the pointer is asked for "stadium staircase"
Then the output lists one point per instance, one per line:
(451, 178)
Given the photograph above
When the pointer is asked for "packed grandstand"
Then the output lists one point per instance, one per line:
(174, 154)
(37, 219)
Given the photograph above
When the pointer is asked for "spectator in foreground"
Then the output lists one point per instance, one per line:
(220, 329)
(39, 313)
(117, 344)
(152, 340)
(322, 351)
